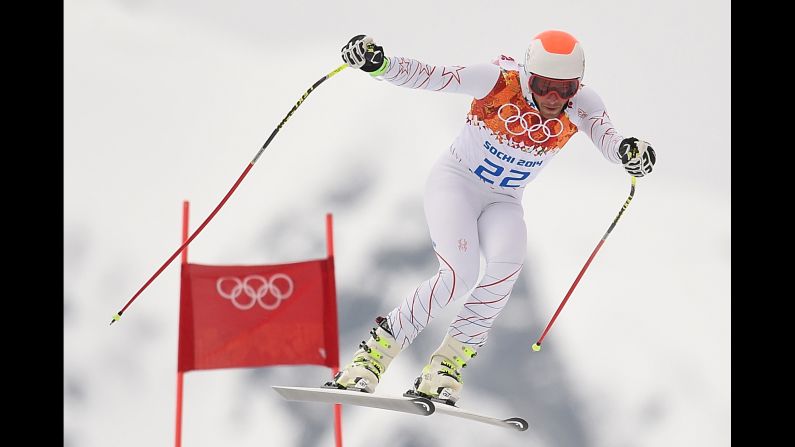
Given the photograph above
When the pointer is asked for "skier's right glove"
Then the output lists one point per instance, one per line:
(362, 53)
(637, 156)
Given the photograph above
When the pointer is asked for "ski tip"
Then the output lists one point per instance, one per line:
(282, 390)
(425, 406)
(518, 423)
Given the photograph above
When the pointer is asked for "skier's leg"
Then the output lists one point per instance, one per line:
(503, 239)
(452, 208)
(452, 211)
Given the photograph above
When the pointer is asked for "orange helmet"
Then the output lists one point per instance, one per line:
(555, 54)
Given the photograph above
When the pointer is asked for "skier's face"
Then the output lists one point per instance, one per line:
(550, 105)
(551, 94)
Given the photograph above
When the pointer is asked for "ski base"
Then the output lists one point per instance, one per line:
(413, 405)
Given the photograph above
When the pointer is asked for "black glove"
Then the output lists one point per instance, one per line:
(637, 156)
(361, 52)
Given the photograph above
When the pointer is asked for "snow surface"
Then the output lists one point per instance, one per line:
(170, 100)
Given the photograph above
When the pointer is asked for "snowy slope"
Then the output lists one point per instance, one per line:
(170, 100)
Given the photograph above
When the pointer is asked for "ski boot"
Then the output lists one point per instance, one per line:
(369, 362)
(441, 378)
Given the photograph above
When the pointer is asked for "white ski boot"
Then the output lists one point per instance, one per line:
(369, 362)
(441, 379)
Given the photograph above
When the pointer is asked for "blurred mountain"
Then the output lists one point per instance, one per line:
(167, 101)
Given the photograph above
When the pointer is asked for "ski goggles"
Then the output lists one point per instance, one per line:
(565, 88)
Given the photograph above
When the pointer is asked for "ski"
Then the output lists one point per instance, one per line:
(515, 423)
(445, 406)
(413, 405)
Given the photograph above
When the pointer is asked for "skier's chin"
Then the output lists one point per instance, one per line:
(549, 112)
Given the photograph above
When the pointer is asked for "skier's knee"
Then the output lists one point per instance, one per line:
(466, 277)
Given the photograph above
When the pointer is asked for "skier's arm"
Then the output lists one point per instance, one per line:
(476, 80)
(590, 116)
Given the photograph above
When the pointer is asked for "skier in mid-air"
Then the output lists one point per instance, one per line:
(520, 117)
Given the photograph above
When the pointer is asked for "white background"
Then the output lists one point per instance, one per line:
(167, 101)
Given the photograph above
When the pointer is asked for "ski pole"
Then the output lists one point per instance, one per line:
(117, 316)
(537, 345)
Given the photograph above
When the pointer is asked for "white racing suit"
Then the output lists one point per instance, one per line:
(473, 197)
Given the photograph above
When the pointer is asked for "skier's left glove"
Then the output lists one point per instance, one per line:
(362, 53)
(637, 156)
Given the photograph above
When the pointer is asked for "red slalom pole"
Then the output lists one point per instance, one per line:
(181, 374)
(118, 314)
(335, 368)
(537, 345)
